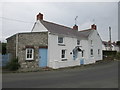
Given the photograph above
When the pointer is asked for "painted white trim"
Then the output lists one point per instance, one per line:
(32, 54)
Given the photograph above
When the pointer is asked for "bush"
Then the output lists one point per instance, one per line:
(13, 65)
(118, 56)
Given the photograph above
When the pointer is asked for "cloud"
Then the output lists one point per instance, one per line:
(105, 15)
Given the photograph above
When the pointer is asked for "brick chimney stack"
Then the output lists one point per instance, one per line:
(40, 16)
(94, 27)
(75, 27)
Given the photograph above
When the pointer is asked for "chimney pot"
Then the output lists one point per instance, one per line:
(94, 27)
(40, 16)
(75, 27)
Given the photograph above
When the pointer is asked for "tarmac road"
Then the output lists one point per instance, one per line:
(102, 75)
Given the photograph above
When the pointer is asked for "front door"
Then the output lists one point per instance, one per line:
(42, 57)
(81, 61)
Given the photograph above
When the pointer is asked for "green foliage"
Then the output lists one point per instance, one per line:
(13, 64)
(110, 53)
(4, 48)
(118, 56)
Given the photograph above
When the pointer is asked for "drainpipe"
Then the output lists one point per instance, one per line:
(16, 45)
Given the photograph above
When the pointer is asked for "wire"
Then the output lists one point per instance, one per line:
(16, 20)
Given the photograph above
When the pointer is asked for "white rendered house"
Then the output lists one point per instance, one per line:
(68, 46)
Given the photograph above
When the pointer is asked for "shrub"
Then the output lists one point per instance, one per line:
(118, 56)
(13, 64)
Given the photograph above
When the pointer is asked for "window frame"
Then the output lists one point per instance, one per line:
(91, 52)
(32, 54)
(98, 51)
(63, 54)
(78, 43)
(62, 40)
(91, 42)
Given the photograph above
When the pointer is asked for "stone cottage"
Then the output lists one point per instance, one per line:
(55, 46)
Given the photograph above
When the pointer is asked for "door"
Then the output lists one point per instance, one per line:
(42, 57)
(81, 61)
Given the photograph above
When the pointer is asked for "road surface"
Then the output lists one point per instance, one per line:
(103, 75)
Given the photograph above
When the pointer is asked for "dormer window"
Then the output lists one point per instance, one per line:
(60, 40)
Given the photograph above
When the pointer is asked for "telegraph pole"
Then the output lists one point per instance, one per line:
(110, 37)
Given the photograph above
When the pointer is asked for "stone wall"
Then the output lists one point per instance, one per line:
(34, 39)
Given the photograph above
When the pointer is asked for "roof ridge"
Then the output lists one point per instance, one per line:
(56, 24)
(85, 30)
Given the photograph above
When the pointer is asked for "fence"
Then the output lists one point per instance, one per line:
(4, 59)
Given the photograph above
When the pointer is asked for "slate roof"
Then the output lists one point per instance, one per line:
(63, 30)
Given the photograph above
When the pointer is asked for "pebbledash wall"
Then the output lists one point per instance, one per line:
(18, 43)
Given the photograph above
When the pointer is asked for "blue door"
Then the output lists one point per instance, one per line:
(43, 57)
(81, 61)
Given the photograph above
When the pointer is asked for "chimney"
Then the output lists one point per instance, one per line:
(75, 27)
(40, 16)
(94, 27)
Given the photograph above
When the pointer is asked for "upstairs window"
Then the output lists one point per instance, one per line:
(29, 53)
(91, 42)
(91, 52)
(98, 51)
(78, 42)
(60, 40)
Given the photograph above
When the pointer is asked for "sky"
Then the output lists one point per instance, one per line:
(19, 17)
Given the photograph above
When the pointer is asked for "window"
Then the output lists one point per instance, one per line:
(91, 51)
(98, 51)
(63, 54)
(29, 53)
(60, 39)
(91, 42)
(78, 42)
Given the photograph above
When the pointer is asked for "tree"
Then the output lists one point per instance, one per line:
(4, 48)
(118, 43)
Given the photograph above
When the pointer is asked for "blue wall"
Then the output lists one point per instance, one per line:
(4, 59)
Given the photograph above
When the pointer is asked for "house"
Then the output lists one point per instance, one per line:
(55, 46)
(107, 46)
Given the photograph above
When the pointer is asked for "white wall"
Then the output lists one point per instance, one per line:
(97, 44)
(38, 27)
(54, 51)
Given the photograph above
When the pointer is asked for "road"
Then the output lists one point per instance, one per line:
(103, 75)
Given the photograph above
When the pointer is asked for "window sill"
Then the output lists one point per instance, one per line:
(29, 60)
(61, 44)
(64, 60)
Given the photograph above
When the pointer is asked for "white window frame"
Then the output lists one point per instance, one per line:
(29, 53)
(62, 40)
(64, 54)
(91, 42)
(91, 52)
(98, 51)
(78, 41)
